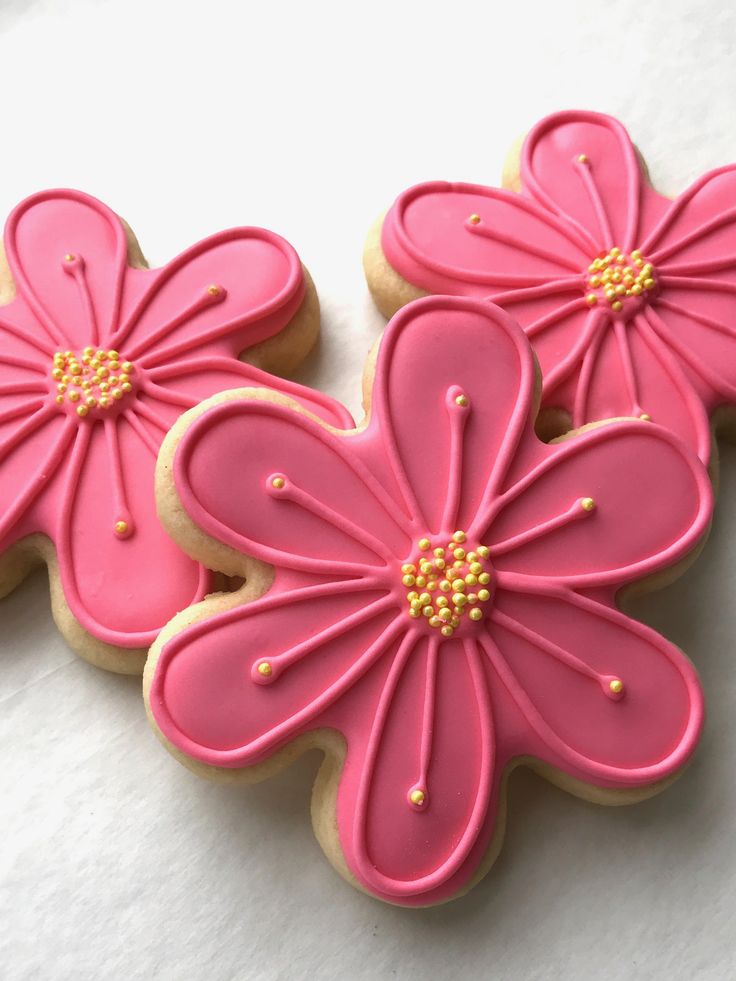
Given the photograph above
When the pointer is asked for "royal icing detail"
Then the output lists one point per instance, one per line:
(370, 531)
(97, 360)
(628, 298)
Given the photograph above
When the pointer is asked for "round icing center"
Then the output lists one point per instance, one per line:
(447, 583)
(90, 384)
(619, 279)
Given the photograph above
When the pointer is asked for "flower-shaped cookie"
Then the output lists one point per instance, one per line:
(629, 298)
(97, 360)
(443, 599)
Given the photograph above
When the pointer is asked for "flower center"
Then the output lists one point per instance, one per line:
(92, 383)
(447, 583)
(617, 277)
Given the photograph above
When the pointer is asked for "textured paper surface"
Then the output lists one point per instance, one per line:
(114, 861)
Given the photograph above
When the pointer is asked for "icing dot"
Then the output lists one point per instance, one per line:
(474, 219)
(582, 158)
(417, 797)
(587, 503)
(462, 400)
(264, 669)
(616, 686)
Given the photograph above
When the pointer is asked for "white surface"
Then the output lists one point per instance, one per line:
(115, 862)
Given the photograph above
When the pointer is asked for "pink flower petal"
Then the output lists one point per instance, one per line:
(449, 458)
(629, 470)
(425, 847)
(430, 238)
(75, 300)
(222, 295)
(122, 588)
(583, 167)
(294, 495)
(209, 698)
(558, 669)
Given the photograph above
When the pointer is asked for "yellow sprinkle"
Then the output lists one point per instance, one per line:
(121, 527)
(472, 598)
(69, 257)
(278, 482)
(442, 602)
(591, 299)
(587, 504)
(459, 599)
(127, 367)
(127, 387)
(116, 393)
(447, 630)
(423, 544)
(459, 536)
(435, 621)
(265, 669)
(415, 612)
(484, 578)
(408, 580)
(616, 686)
(484, 551)
(428, 611)
(483, 595)
(425, 598)
(582, 158)
(476, 613)
(636, 254)
(445, 585)
(471, 580)
(73, 396)
(617, 305)
(458, 585)
(417, 797)
(476, 568)
(91, 401)
(440, 553)
(421, 581)
(459, 553)
(474, 219)
(59, 399)
(82, 410)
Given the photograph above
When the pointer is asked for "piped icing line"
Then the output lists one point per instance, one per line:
(74, 265)
(611, 685)
(210, 295)
(13, 361)
(476, 226)
(141, 431)
(418, 795)
(582, 507)
(702, 231)
(267, 670)
(696, 364)
(669, 363)
(49, 465)
(27, 338)
(700, 318)
(568, 284)
(678, 206)
(458, 409)
(696, 283)
(149, 413)
(366, 867)
(283, 488)
(23, 388)
(627, 366)
(554, 316)
(582, 391)
(27, 428)
(584, 169)
(21, 409)
(594, 324)
(122, 524)
(691, 268)
(168, 395)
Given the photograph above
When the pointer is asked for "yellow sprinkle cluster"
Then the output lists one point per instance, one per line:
(96, 379)
(617, 276)
(447, 582)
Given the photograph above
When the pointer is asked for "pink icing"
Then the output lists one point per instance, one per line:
(75, 478)
(449, 446)
(671, 354)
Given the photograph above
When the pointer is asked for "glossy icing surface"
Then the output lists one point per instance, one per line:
(666, 350)
(444, 596)
(97, 360)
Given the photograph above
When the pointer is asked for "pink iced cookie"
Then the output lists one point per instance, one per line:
(432, 600)
(98, 357)
(629, 298)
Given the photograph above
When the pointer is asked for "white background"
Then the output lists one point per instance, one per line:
(115, 862)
